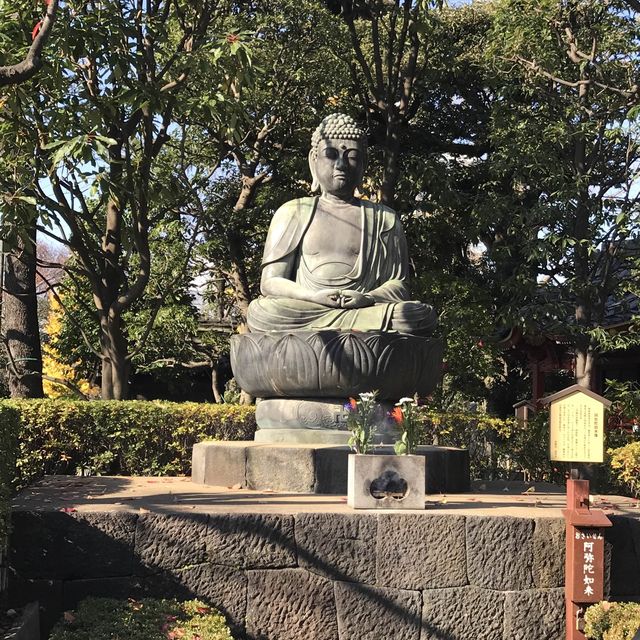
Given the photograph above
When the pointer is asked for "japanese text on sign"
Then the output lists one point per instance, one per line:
(577, 423)
(588, 569)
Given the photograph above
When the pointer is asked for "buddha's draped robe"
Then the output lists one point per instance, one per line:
(381, 266)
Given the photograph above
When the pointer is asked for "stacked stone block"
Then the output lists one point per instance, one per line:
(319, 576)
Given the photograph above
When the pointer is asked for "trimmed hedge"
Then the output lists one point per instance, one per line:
(70, 437)
(146, 619)
(136, 437)
(498, 448)
(625, 466)
(119, 437)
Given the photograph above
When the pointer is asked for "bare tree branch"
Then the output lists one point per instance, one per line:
(633, 93)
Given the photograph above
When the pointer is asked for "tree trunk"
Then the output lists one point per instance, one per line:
(240, 283)
(585, 367)
(391, 169)
(238, 276)
(238, 273)
(115, 366)
(20, 320)
(215, 384)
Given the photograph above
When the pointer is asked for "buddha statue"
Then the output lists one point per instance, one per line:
(336, 261)
(335, 317)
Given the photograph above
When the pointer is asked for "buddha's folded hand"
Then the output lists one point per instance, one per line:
(355, 300)
(326, 297)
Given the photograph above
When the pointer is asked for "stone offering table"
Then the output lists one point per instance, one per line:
(311, 468)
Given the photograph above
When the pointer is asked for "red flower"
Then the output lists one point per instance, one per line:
(397, 415)
(232, 37)
(353, 403)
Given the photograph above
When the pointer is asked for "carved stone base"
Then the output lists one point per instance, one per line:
(311, 468)
(314, 436)
(301, 413)
(313, 420)
(302, 436)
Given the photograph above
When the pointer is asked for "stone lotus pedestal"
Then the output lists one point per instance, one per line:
(386, 482)
(303, 379)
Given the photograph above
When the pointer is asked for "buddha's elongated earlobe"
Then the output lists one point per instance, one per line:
(315, 184)
(365, 159)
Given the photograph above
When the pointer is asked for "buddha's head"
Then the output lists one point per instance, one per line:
(338, 155)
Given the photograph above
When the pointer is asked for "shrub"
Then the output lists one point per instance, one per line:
(612, 621)
(155, 438)
(147, 619)
(120, 437)
(498, 448)
(625, 467)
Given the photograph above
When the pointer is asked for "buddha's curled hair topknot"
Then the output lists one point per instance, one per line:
(340, 126)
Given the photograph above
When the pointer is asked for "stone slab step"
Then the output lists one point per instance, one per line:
(311, 468)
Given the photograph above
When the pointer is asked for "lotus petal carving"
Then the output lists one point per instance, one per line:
(347, 364)
(296, 364)
(334, 364)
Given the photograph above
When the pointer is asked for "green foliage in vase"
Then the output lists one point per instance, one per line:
(405, 416)
(363, 415)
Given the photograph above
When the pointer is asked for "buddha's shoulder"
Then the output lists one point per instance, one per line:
(385, 213)
(378, 206)
(293, 207)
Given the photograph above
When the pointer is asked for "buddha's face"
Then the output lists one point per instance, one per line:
(339, 166)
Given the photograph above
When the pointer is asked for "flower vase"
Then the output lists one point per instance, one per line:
(386, 481)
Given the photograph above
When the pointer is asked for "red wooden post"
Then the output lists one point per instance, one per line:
(576, 432)
(584, 564)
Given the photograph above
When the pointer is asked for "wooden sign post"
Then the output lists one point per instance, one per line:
(576, 418)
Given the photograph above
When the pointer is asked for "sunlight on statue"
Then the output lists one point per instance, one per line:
(335, 261)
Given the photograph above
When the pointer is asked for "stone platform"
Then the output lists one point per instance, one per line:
(485, 565)
(311, 468)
